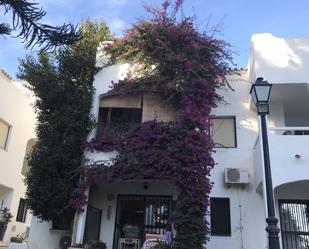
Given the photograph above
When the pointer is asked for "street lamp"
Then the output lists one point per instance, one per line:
(260, 92)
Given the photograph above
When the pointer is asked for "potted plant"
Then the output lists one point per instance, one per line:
(5, 219)
(76, 246)
(130, 231)
(99, 245)
(18, 242)
(96, 245)
(161, 245)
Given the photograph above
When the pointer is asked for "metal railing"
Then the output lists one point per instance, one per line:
(117, 130)
(290, 130)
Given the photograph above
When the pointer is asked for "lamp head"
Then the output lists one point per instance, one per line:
(260, 92)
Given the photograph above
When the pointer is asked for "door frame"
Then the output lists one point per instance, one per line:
(144, 198)
(87, 217)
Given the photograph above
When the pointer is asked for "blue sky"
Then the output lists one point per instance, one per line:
(240, 18)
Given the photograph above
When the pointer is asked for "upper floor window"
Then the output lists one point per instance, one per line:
(220, 216)
(119, 119)
(22, 210)
(4, 134)
(223, 132)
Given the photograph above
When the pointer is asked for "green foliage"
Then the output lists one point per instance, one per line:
(161, 245)
(5, 215)
(62, 84)
(26, 19)
(20, 238)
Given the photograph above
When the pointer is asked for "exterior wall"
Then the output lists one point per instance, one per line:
(247, 206)
(43, 236)
(16, 110)
(279, 60)
(285, 166)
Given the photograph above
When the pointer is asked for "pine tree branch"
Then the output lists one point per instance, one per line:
(5, 29)
(26, 17)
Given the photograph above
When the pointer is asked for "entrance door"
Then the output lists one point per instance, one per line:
(93, 224)
(294, 221)
(138, 215)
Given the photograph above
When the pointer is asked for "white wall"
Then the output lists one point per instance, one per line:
(16, 110)
(279, 60)
(285, 167)
(42, 236)
(247, 206)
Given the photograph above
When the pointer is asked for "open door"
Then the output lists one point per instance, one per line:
(138, 215)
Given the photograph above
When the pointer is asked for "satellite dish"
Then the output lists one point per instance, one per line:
(65, 242)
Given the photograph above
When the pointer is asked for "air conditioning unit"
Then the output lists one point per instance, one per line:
(236, 176)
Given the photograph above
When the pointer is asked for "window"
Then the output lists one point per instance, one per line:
(220, 218)
(22, 210)
(118, 119)
(223, 132)
(63, 223)
(4, 133)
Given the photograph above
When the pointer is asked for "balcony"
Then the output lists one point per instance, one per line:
(289, 155)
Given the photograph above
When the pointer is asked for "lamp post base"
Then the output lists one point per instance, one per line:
(273, 232)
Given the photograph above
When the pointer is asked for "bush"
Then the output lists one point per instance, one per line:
(96, 245)
(20, 238)
(161, 245)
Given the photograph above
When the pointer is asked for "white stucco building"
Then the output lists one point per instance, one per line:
(17, 133)
(238, 209)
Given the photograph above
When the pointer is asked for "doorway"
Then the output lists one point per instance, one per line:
(294, 221)
(93, 224)
(138, 215)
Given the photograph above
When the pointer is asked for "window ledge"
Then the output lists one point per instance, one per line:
(221, 235)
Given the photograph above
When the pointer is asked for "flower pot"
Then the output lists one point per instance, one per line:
(14, 245)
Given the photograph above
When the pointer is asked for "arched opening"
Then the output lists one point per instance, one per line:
(292, 201)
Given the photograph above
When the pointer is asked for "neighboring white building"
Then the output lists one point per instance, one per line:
(240, 208)
(17, 133)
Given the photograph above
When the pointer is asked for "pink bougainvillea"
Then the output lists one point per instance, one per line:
(186, 67)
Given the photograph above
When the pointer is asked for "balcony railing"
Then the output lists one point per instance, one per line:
(289, 130)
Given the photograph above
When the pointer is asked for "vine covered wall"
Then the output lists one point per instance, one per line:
(185, 66)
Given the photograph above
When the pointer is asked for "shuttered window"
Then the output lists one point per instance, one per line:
(220, 216)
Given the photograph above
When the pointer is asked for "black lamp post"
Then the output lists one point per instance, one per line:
(260, 92)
